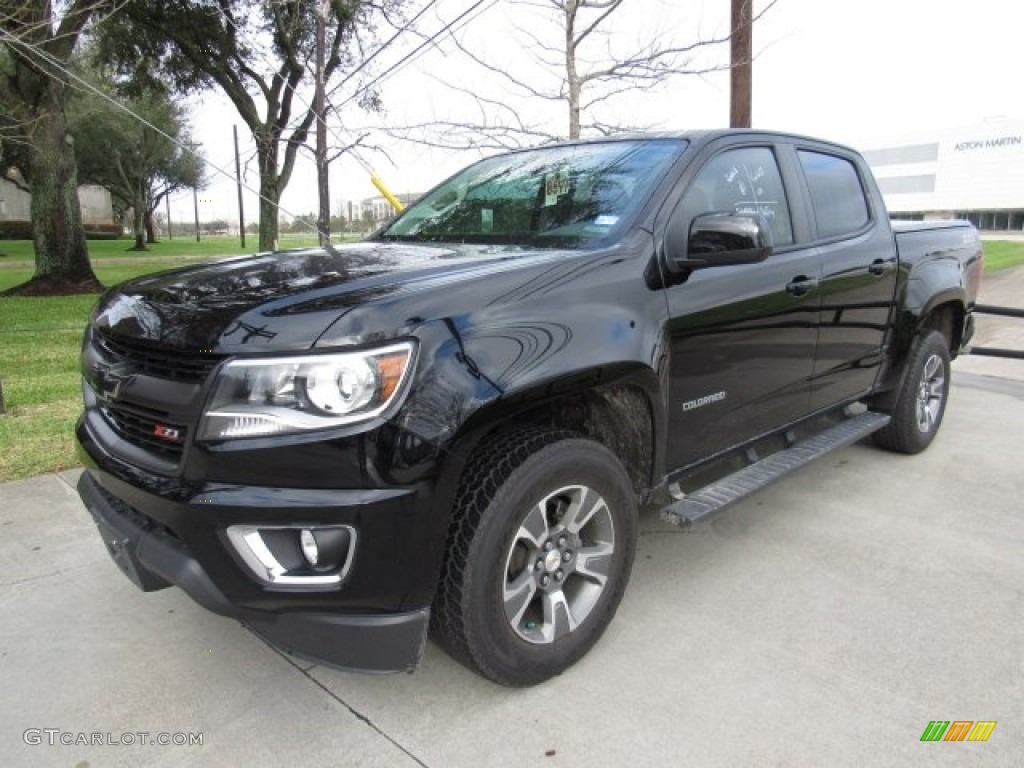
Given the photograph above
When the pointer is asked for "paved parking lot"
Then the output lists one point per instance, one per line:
(824, 622)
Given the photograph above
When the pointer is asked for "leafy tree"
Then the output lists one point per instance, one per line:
(184, 170)
(303, 224)
(231, 45)
(36, 40)
(137, 162)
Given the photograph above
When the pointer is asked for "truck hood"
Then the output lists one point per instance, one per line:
(287, 300)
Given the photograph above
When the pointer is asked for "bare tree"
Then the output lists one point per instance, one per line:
(576, 61)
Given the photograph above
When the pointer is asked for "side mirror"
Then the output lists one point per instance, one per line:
(720, 239)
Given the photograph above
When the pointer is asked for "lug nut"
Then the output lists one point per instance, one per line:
(548, 546)
(567, 556)
(562, 541)
(559, 575)
(545, 580)
(539, 565)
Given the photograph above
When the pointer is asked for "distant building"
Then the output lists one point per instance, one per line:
(975, 172)
(15, 207)
(378, 210)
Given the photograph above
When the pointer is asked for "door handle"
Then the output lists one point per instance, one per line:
(879, 267)
(801, 284)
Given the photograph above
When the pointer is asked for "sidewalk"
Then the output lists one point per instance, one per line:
(824, 622)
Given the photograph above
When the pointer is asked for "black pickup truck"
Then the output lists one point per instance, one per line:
(452, 425)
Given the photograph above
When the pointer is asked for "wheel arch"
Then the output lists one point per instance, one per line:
(943, 312)
(618, 409)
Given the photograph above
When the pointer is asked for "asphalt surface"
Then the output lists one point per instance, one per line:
(824, 622)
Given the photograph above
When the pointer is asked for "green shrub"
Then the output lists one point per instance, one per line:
(15, 230)
(104, 232)
(22, 230)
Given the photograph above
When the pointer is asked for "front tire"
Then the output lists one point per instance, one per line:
(539, 555)
(921, 402)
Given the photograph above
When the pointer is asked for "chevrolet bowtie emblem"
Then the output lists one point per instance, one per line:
(110, 381)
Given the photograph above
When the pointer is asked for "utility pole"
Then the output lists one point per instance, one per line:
(741, 65)
(195, 204)
(238, 179)
(323, 223)
(167, 200)
(194, 148)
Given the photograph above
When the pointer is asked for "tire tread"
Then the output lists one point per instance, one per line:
(488, 469)
(901, 434)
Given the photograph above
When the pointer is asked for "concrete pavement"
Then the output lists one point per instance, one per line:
(824, 622)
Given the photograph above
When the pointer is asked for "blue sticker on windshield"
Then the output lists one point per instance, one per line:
(606, 221)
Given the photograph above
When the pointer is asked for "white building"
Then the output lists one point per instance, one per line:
(974, 172)
(96, 207)
(378, 209)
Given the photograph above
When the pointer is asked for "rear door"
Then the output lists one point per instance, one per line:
(741, 338)
(858, 274)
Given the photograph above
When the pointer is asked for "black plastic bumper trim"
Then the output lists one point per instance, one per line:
(154, 560)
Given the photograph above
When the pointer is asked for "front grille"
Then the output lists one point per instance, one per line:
(144, 428)
(155, 361)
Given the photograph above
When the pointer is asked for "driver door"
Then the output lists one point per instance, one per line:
(742, 338)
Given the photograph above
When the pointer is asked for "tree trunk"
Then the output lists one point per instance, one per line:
(150, 229)
(571, 74)
(62, 255)
(139, 225)
(323, 221)
(266, 151)
(268, 215)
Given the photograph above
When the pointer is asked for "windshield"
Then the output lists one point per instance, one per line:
(557, 196)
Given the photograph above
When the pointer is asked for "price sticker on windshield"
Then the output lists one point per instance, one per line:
(556, 185)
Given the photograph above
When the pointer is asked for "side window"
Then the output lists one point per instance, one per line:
(837, 195)
(743, 180)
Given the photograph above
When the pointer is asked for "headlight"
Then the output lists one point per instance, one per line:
(274, 396)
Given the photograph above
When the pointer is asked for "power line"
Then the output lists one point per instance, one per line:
(322, 119)
(87, 86)
(408, 58)
(381, 49)
(452, 26)
(391, 70)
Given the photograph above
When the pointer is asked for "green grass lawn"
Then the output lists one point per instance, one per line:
(1003, 254)
(39, 346)
(184, 247)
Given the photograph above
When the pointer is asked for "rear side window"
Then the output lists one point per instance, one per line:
(837, 195)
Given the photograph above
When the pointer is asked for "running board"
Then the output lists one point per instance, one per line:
(723, 493)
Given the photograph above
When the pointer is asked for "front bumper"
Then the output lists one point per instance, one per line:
(153, 558)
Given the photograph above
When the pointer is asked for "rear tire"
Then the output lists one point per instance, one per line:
(921, 402)
(539, 554)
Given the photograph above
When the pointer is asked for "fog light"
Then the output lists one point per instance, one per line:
(310, 550)
(289, 556)
(324, 549)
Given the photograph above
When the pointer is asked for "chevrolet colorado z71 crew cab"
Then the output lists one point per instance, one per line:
(452, 425)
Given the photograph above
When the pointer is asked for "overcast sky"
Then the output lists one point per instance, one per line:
(859, 72)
